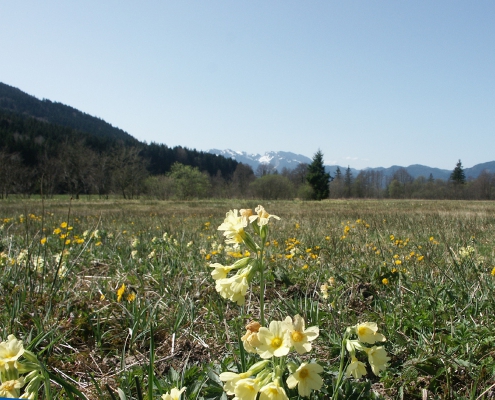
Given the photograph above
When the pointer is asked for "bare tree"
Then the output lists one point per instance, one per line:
(128, 171)
(265, 169)
(243, 176)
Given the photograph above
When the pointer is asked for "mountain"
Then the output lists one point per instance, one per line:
(279, 159)
(16, 101)
(283, 159)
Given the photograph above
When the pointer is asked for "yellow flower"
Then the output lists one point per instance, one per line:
(235, 287)
(324, 291)
(274, 340)
(131, 297)
(385, 281)
(356, 369)
(263, 217)
(493, 271)
(246, 389)
(368, 333)
(233, 225)
(120, 292)
(63, 225)
(306, 378)
(231, 379)
(220, 271)
(250, 340)
(12, 388)
(56, 231)
(273, 391)
(174, 394)
(67, 242)
(377, 357)
(43, 240)
(11, 350)
(300, 337)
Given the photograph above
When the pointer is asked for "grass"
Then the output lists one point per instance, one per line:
(422, 270)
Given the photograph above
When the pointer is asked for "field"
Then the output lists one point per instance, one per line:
(116, 298)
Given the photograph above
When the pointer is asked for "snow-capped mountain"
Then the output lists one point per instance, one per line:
(279, 159)
(285, 159)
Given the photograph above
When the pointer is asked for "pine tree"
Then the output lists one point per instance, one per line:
(317, 178)
(348, 179)
(457, 176)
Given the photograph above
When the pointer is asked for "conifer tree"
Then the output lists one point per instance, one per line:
(317, 178)
(457, 176)
(348, 179)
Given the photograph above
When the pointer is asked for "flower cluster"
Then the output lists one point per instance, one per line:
(273, 343)
(367, 333)
(14, 374)
(235, 287)
(276, 341)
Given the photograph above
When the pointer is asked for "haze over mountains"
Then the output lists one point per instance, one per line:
(16, 101)
(284, 159)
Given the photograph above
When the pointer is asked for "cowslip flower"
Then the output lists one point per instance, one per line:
(246, 389)
(233, 227)
(10, 351)
(273, 391)
(300, 337)
(368, 333)
(262, 216)
(174, 394)
(235, 287)
(274, 340)
(356, 369)
(378, 359)
(306, 379)
(12, 388)
(220, 271)
(250, 340)
(231, 379)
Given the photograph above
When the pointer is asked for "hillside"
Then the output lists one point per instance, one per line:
(16, 101)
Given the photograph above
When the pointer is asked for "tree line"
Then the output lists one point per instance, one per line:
(37, 157)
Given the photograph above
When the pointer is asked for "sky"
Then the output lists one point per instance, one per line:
(369, 83)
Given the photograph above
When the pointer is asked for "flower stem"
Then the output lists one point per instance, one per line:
(262, 285)
(341, 368)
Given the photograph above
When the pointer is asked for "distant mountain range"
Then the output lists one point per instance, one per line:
(284, 159)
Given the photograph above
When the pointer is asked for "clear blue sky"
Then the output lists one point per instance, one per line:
(370, 83)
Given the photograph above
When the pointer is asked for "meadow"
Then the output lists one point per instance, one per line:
(115, 299)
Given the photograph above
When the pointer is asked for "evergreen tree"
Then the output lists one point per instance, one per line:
(318, 178)
(348, 179)
(457, 176)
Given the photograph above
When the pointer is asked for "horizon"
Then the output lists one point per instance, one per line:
(341, 165)
(368, 84)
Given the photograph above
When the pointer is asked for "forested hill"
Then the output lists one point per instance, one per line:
(72, 152)
(15, 100)
(45, 124)
(35, 140)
